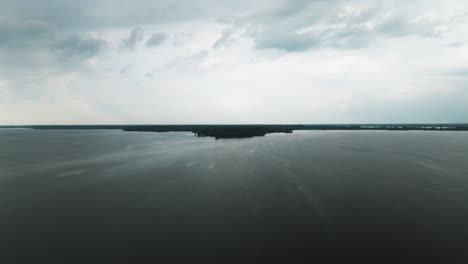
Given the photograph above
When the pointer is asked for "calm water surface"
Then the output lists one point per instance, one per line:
(331, 197)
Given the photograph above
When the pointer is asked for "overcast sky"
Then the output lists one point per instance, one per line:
(225, 61)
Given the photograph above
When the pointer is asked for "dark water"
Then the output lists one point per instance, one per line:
(311, 197)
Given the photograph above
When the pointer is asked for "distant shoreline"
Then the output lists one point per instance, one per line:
(246, 131)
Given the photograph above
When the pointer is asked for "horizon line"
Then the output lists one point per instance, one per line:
(240, 124)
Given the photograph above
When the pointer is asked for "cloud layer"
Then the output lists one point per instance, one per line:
(233, 61)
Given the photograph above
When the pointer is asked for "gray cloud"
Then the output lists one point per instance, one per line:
(457, 44)
(286, 41)
(330, 24)
(18, 34)
(273, 24)
(458, 72)
(78, 47)
(135, 37)
(156, 39)
(126, 69)
(226, 38)
(290, 8)
(220, 45)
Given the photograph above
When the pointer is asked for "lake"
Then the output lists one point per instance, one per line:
(82, 196)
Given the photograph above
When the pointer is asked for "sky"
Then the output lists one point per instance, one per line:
(225, 61)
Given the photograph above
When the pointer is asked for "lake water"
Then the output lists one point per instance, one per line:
(101, 196)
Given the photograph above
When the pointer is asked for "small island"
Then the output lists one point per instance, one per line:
(248, 131)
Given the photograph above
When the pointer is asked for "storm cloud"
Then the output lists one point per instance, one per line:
(232, 61)
(156, 39)
(76, 46)
(135, 37)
